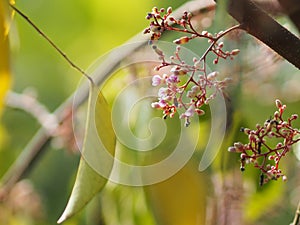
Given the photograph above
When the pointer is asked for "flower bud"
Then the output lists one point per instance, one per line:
(238, 145)
(155, 10)
(232, 149)
(235, 52)
(278, 103)
(220, 33)
(242, 168)
(294, 116)
(243, 156)
(169, 10)
(200, 112)
(204, 33)
(155, 105)
(157, 50)
(171, 18)
(149, 16)
(156, 80)
(212, 75)
(284, 178)
(276, 115)
(181, 40)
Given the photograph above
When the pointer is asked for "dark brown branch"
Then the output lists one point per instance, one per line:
(271, 7)
(292, 9)
(260, 25)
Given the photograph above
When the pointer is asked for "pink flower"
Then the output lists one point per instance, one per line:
(164, 94)
(156, 80)
(159, 105)
(173, 79)
(189, 112)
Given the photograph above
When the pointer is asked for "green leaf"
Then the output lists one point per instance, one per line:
(97, 155)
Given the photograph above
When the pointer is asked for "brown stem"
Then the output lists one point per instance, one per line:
(51, 43)
(296, 220)
(260, 25)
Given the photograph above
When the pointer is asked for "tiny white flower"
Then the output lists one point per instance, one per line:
(190, 111)
(212, 75)
(156, 80)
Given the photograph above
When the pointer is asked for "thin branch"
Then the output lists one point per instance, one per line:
(296, 220)
(51, 43)
(30, 105)
(39, 143)
(260, 25)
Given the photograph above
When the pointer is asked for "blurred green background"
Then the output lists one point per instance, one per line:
(85, 30)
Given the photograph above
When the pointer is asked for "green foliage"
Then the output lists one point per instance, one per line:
(87, 29)
(88, 181)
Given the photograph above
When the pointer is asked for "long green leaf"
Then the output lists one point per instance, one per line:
(97, 155)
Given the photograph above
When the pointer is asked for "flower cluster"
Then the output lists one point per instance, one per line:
(259, 150)
(186, 86)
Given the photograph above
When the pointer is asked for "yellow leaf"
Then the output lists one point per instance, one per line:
(180, 200)
(5, 78)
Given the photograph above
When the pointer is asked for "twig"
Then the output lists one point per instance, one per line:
(30, 105)
(51, 43)
(40, 141)
(296, 220)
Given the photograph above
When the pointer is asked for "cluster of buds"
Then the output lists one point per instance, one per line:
(259, 150)
(185, 86)
(162, 20)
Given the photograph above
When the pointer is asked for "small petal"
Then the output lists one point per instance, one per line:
(173, 79)
(156, 80)
(162, 92)
(284, 178)
(235, 51)
(155, 105)
(232, 149)
(212, 75)
(190, 111)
